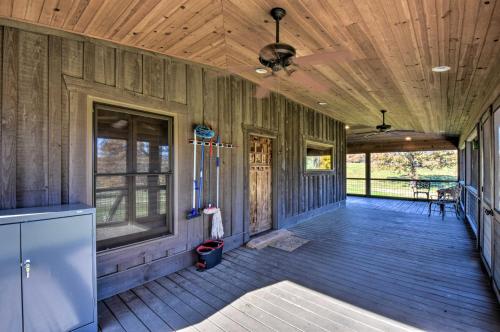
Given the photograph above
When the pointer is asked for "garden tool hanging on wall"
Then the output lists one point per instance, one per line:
(194, 212)
(203, 133)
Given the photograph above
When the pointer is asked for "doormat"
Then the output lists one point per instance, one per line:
(289, 243)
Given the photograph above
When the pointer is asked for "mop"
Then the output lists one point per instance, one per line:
(217, 227)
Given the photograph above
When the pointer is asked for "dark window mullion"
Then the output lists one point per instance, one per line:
(169, 182)
(132, 168)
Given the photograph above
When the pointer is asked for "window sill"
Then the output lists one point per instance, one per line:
(320, 172)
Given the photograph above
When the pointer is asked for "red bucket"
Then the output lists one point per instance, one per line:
(209, 254)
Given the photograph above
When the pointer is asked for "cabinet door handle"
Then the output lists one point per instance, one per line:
(27, 268)
(488, 212)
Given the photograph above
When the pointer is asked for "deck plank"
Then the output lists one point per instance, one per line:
(193, 317)
(169, 315)
(107, 322)
(371, 266)
(143, 312)
(210, 309)
(124, 315)
(223, 290)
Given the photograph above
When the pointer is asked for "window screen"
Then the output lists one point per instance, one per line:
(132, 176)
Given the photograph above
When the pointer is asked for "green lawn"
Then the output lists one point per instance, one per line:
(395, 188)
(357, 170)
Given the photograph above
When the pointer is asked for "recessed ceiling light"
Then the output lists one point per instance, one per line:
(347, 127)
(408, 138)
(261, 71)
(440, 69)
(322, 103)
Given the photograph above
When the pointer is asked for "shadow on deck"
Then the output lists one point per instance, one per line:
(363, 269)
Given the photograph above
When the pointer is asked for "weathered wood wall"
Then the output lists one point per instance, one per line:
(48, 79)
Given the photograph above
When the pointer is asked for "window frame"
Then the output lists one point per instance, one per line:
(472, 158)
(322, 144)
(496, 162)
(130, 180)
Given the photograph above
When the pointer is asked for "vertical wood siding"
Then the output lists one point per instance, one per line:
(44, 133)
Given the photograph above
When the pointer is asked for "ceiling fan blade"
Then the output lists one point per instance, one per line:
(396, 132)
(261, 92)
(324, 58)
(265, 86)
(354, 133)
(241, 68)
(372, 134)
(305, 79)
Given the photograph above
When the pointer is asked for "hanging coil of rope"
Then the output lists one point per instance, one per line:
(204, 132)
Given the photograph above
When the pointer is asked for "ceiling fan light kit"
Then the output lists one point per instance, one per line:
(383, 127)
(440, 69)
(280, 56)
(277, 55)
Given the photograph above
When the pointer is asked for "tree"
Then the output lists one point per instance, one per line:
(407, 163)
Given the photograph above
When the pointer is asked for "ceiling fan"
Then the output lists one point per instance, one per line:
(383, 128)
(280, 56)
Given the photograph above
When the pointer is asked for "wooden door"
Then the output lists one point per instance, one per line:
(260, 188)
(486, 213)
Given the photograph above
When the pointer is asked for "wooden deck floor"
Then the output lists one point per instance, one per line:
(404, 206)
(363, 270)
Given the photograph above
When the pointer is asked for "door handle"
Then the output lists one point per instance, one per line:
(488, 212)
(27, 268)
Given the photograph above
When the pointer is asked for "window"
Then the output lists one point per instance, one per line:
(472, 163)
(319, 156)
(461, 167)
(356, 173)
(132, 177)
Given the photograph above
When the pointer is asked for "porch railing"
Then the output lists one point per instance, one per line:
(471, 207)
(397, 188)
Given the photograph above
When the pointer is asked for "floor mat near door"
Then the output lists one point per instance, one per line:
(289, 243)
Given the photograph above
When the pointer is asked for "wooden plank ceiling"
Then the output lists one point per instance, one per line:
(392, 46)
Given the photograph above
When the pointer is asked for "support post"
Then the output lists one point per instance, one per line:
(368, 174)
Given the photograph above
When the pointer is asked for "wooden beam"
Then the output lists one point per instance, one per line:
(55, 120)
(105, 91)
(424, 145)
(8, 118)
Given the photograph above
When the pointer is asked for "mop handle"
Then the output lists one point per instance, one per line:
(194, 172)
(200, 186)
(210, 174)
(217, 164)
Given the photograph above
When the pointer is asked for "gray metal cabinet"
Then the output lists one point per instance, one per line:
(47, 268)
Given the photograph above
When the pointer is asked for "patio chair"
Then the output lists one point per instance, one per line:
(447, 199)
(421, 187)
